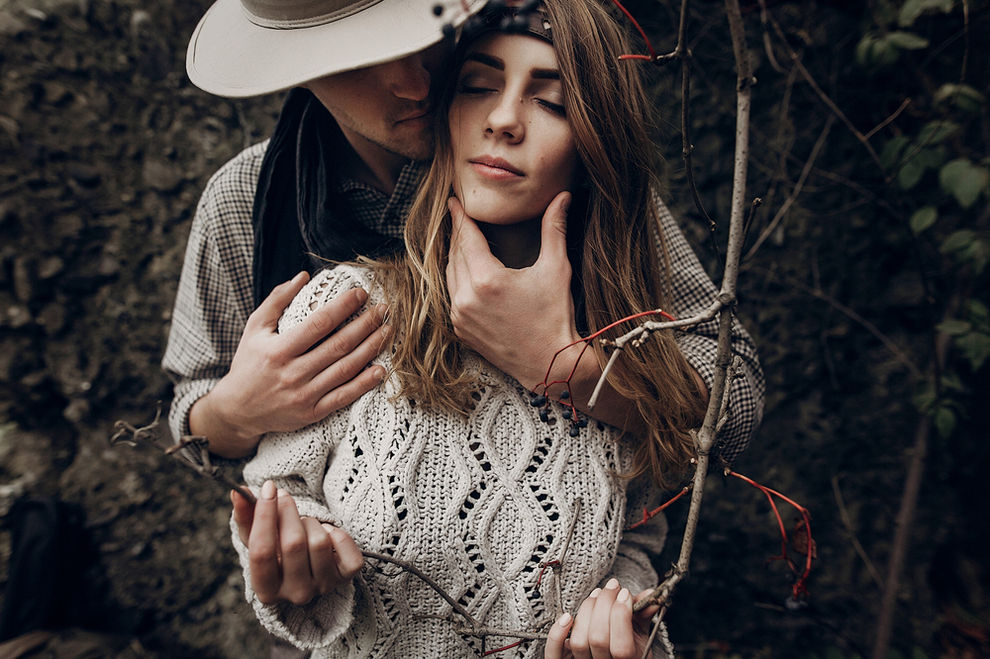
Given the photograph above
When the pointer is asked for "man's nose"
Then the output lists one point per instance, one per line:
(408, 78)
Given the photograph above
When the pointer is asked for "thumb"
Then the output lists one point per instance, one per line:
(271, 308)
(243, 515)
(553, 229)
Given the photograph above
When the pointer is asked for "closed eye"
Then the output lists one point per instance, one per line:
(556, 108)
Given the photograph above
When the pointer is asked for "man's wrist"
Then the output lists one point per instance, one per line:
(226, 438)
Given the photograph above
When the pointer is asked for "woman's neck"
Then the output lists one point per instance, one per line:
(515, 245)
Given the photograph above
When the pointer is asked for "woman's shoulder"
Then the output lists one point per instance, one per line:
(326, 285)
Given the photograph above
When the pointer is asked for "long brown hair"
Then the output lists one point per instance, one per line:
(613, 224)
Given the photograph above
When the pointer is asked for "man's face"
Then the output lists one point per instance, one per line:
(388, 106)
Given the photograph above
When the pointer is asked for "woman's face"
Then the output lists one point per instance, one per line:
(512, 145)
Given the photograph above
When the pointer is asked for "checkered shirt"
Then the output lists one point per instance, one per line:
(215, 297)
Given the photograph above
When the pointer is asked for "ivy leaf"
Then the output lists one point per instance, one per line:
(975, 348)
(964, 97)
(954, 327)
(945, 422)
(957, 241)
(964, 180)
(923, 218)
(935, 132)
(910, 173)
(892, 151)
(912, 9)
(907, 41)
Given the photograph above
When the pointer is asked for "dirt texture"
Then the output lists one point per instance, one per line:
(104, 149)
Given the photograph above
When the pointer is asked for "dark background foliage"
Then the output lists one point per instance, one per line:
(105, 147)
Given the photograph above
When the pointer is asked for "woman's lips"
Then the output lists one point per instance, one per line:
(495, 168)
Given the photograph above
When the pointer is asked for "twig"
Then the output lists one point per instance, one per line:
(810, 79)
(795, 192)
(883, 124)
(193, 451)
(847, 522)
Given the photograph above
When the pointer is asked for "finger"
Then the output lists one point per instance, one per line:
(644, 617)
(323, 321)
(322, 556)
(622, 641)
(553, 229)
(263, 545)
(297, 577)
(599, 627)
(467, 242)
(350, 391)
(271, 308)
(350, 560)
(554, 649)
(348, 348)
(582, 621)
(243, 511)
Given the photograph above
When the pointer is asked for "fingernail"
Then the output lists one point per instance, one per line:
(380, 373)
(386, 330)
(327, 527)
(268, 490)
(299, 275)
(564, 620)
(595, 593)
(283, 493)
(623, 596)
(566, 206)
(612, 584)
(362, 295)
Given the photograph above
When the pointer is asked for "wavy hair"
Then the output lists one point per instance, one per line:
(613, 238)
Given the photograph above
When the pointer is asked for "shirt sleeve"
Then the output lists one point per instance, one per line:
(693, 291)
(214, 297)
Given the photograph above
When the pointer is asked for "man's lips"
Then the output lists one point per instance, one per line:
(415, 117)
(495, 166)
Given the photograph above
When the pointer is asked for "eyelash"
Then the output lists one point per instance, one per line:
(555, 108)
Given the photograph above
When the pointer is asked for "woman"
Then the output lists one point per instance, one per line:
(453, 469)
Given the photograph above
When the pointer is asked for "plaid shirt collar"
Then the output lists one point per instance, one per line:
(378, 211)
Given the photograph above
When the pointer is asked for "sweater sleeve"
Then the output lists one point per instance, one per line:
(294, 462)
(693, 291)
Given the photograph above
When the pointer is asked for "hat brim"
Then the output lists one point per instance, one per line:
(228, 55)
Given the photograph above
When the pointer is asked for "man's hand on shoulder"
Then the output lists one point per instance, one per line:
(288, 381)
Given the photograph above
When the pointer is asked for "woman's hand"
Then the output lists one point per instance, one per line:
(605, 627)
(292, 558)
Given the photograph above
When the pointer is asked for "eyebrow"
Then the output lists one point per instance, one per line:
(496, 63)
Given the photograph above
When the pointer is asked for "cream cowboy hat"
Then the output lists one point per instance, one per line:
(251, 47)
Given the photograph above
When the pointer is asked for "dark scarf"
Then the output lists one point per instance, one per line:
(299, 218)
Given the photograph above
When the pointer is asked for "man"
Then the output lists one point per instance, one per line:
(335, 180)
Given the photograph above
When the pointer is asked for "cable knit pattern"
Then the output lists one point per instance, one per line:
(478, 502)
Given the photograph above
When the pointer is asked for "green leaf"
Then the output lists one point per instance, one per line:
(964, 97)
(979, 313)
(975, 348)
(892, 151)
(964, 180)
(957, 241)
(906, 41)
(914, 8)
(954, 327)
(863, 49)
(932, 158)
(936, 131)
(945, 422)
(923, 218)
(910, 173)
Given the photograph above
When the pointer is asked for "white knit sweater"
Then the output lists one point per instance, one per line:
(477, 502)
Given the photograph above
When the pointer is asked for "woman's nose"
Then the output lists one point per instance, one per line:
(505, 120)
